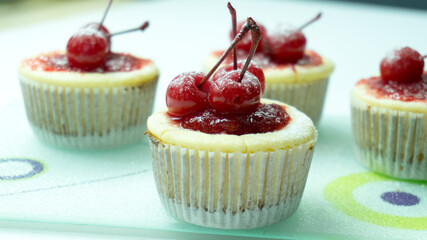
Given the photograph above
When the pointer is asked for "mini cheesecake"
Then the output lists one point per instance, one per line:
(390, 126)
(231, 181)
(99, 108)
(302, 84)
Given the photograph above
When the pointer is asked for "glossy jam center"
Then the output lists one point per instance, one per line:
(115, 62)
(267, 118)
(403, 91)
(309, 59)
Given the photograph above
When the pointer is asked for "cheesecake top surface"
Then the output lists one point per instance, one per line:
(311, 67)
(119, 69)
(405, 96)
(298, 131)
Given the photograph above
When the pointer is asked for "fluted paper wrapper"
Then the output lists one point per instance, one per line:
(306, 97)
(88, 117)
(230, 190)
(391, 142)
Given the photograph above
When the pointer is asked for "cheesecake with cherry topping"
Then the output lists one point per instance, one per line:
(88, 96)
(293, 74)
(389, 116)
(222, 156)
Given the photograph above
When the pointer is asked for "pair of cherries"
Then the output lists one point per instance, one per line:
(90, 45)
(286, 45)
(233, 89)
(402, 65)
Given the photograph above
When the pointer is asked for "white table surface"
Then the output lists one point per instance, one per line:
(181, 33)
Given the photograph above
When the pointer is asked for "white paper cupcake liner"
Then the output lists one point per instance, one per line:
(230, 190)
(391, 142)
(88, 117)
(306, 97)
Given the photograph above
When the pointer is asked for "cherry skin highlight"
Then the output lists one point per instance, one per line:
(95, 26)
(402, 65)
(287, 45)
(228, 95)
(246, 42)
(87, 49)
(254, 69)
(183, 96)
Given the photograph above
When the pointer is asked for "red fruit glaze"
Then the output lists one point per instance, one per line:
(114, 62)
(254, 69)
(87, 49)
(402, 65)
(245, 43)
(286, 45)
(183, 96)
(266, 118)
(228, 95)
(403, 91)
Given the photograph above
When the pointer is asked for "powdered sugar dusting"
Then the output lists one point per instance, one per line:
(402, 91)
(391, 56)
(284, 33)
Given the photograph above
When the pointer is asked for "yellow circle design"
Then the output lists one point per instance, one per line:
(340, 193)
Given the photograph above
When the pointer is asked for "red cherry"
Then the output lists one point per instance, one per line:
(228, 95)
(87, 49)
(187, 92)
(183, 96)
(245, 43)
(287, 45)
(402, 65)
(254, 69)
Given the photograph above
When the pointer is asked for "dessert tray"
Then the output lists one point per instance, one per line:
(115, 189)
(45, 187)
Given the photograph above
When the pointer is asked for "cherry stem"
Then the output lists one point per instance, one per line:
(234, 26)
(425, 56)
(142, 27)
(311, 21)
(249, 25)
(105, 14)
(255, 38)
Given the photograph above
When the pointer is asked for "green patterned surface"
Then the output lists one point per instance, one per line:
(340, 193)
